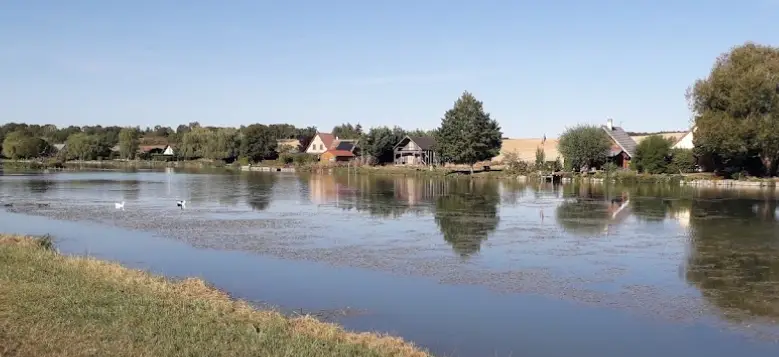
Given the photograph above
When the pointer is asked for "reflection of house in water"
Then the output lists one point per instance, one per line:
(619, 208)
(323, 189)
(681, 215)
(414, 191)
(593, 214)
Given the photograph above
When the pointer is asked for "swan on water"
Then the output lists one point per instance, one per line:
(119, 205)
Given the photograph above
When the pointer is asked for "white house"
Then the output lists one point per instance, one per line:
(685, 142)
(169, 151)
(320, 143)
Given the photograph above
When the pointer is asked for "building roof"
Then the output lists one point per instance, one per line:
(346, 145)
(59, 146)
(327, 139)
(423, 142)
(340, 153)
(621, 137)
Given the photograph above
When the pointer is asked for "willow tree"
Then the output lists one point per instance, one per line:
(736, 108)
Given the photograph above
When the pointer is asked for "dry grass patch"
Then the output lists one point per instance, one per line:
(53, 305)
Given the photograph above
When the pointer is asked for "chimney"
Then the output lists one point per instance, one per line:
(610, 123)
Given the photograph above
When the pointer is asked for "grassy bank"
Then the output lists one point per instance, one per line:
(53, 305)
(111, 164)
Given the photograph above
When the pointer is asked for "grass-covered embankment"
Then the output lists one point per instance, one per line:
(55, 305)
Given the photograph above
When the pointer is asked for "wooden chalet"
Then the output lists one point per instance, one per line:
(415, 150)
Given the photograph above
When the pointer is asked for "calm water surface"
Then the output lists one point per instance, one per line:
(464, 268)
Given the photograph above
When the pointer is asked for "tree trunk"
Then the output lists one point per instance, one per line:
(471, 169)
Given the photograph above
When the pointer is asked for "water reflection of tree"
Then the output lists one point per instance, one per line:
(259, 187)
(38, 186)
(131, 189)
(734, 256)
(512, 191)
(385, 197)
(589, 209)
(467, 214)
(224, 189)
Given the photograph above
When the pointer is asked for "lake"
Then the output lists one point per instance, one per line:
(463, 268)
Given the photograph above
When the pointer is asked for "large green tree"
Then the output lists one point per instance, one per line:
(378, 142)
(19, 145)
(348, 131)
(653, 155)
(583, 147)
(467, 134)
(257, 142)
(736, 109)
(128, 143)
(83, 146)
(224, 144)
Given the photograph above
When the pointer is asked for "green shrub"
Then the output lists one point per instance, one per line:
(303, 159)
(682, 161)
(652, 155)
(516, 166)
(243, 161)
(286, 158)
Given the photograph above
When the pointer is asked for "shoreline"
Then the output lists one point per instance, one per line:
(694, 180)
(52, 304)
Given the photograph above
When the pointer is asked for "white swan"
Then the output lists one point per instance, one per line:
(119, 205)
(181, 204)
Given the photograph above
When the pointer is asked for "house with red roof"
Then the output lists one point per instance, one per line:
(320, 143)
(330, 148)
(341, 150)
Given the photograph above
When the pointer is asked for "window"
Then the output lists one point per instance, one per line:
(321, 146)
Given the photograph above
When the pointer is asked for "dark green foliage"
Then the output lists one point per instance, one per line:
(584, 147)
(652, 155)
(468, 214)
(736, 110)
(682, 161)
(257, 142)
(305, 135)
(347, 131)
(379, 142)
(467, 134)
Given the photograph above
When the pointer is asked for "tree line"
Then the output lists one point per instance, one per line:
(735, 117)
(467, 135)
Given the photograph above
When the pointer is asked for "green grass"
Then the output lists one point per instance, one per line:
(53, 305)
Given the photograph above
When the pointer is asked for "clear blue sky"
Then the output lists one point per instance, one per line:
(538, 66)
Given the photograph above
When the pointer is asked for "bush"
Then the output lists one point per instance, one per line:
(584, 147)
(652, 155)
(286, 158)
(243, 161)
(682, 161)
(303, 159)
(516, 166)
